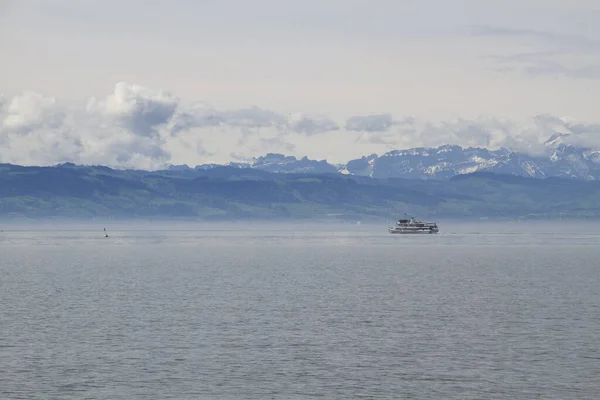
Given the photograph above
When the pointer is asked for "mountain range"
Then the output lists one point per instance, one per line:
(233, 193)
(562, 181)
(557, 159)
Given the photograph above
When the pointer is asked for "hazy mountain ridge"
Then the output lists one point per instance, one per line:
(559, 159)
(73, 191)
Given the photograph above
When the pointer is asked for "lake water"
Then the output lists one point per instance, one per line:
(479, 311)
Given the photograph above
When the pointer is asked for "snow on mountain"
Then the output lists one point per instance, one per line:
(288, 164)
(362, 166)
(561, 159)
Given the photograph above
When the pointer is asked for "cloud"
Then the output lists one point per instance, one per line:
(119, 131)
(495, 133)
(198, 115)
(551, 67)
(388, 139)
(134, 127)
(491, 133)
(277, 143)
(137, 127)
(559, 41)
(31, 111)
(41, 148)
(311, 124)
(369, 123)
(138, 109)
(578, 134)
(201, 115)
(253, 117)
(135, 148)
(236, 157)
(565, 125)
(556, 58)
(35, 129)
(544, 63)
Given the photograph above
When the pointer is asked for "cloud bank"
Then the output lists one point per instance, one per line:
(140, 127)
(369, 123)
(554, 56)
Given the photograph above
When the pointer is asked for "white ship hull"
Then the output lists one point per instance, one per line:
(413, 227)
(405, 231)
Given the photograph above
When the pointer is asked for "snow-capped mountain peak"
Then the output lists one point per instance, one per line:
(560, 159)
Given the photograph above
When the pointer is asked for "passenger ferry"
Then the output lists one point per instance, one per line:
(411, 225)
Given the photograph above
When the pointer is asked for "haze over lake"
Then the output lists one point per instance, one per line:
(299, 310)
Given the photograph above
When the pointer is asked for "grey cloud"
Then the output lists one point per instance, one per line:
(199, 115)
(57, 148)
(202, 151)
(136, 108)
(547, 61)
(584, 129)
(579, 134)
(202, 116)
(253, 117)
(491, 133)
(41, 147)
(405, 121)
(485, 132)
(379, 138)
(312, 124)
(38, 130)
(240, 157)
(127, 151)
(547, 122)
(246, 134)
(276, 143)
(145, 112)
(369, 123)
(35, 129)
(129, 128)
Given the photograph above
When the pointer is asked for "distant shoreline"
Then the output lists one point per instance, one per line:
(58, 221)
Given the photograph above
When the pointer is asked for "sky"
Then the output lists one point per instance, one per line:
(146, 83)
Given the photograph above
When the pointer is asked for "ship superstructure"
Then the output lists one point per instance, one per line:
(412, 226)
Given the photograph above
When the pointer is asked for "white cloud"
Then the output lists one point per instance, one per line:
(138, 127)
(138, 109)
(119, 131)
(492, 133)
(31, 111)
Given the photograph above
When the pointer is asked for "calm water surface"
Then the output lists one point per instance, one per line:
(480, 311)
